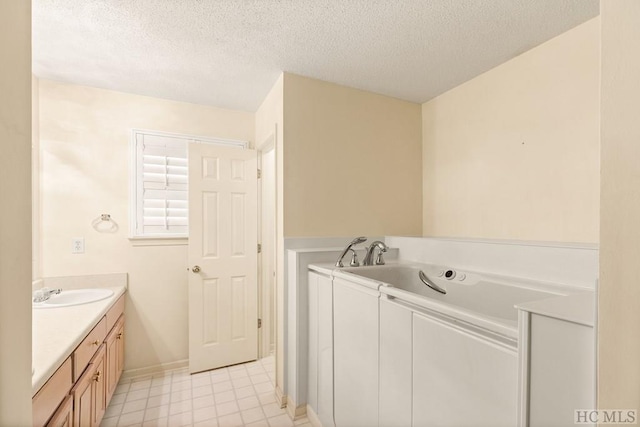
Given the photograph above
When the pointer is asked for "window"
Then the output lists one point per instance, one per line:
(160, 186)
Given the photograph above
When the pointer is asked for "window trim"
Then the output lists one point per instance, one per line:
(161, 239)
(158, 241)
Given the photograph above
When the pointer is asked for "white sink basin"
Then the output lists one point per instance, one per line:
(74, 297)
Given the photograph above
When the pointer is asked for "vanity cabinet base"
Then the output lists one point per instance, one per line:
(79, 392)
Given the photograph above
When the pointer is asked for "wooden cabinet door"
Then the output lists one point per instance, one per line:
(99, 402)
(120, 350)
(63, 416)
(89, 393)
(52, 394)
(83, 399)
(114, 355)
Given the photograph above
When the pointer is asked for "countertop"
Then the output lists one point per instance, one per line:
(56, 332)
(577, 308)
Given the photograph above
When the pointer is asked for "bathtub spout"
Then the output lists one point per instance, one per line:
(368, 259)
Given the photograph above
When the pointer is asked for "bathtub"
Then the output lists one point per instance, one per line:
(405, 354)
(480, 300)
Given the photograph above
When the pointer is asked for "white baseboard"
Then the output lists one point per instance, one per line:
(155, 369)
(294, 411)
(313, 417)
(281, 398)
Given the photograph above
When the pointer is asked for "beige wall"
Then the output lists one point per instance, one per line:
(269, 121)
(15, 215)
(85, 135)
(352, 161)
(514, 153)
(619, 288)
(35, 178)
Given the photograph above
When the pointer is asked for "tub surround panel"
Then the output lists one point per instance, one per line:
(556, 356)
(299, 253)
(568, 264)
(579, 308)
(297, 337)
(355, 351)
(461, 380)
(396, 370)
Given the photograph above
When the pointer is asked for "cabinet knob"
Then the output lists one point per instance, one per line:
(96, 343)
(196, 269)
(96, 377)
(119, 336)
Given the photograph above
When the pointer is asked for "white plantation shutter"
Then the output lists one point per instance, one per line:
(159, 182)
(162, 187)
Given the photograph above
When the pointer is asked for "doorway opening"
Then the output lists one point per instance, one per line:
(267, 241)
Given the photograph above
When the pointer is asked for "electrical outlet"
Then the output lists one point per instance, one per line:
(77, 245)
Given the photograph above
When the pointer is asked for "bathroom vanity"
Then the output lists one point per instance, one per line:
(78, 357)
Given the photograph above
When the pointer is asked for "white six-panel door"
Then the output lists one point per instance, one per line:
(223, 317)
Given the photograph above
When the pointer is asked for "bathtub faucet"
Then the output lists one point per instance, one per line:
(354, 259)
(368, 259)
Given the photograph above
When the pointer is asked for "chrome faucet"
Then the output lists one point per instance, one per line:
(44, 294)
(368, 259)
(354, 258)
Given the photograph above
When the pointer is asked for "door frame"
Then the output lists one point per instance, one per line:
(266, 300)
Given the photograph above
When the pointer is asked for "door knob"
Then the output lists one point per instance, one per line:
(196, 269)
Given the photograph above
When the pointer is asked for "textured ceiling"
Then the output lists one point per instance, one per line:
(228, 53)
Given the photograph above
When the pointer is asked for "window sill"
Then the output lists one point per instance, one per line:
(159, 241)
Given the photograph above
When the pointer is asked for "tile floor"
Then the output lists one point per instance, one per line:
(241, 395)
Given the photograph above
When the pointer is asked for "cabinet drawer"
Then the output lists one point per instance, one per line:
(51, 394)
(88, 347)
(115, 312)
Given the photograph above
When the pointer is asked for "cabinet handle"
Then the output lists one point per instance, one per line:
(96, 378)
(96, 343)
(119, 336)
